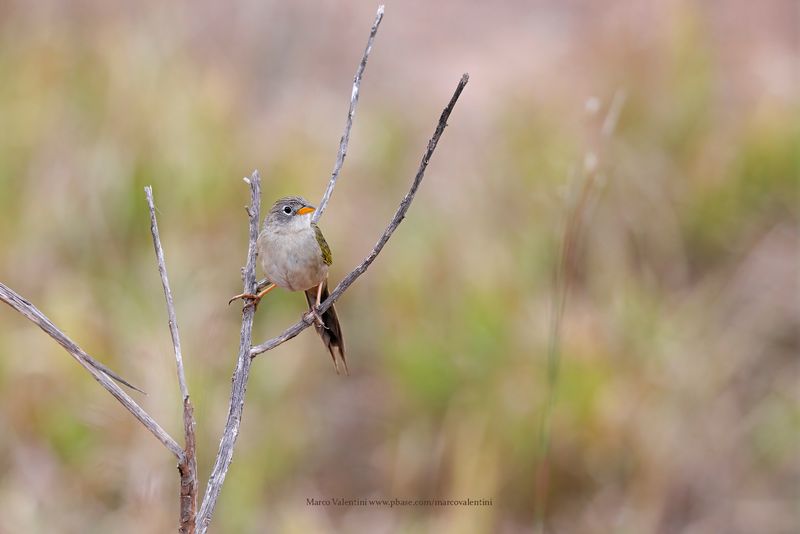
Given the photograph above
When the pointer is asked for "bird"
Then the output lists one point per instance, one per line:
(295, 256)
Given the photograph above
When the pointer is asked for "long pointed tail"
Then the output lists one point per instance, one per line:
(331, 331)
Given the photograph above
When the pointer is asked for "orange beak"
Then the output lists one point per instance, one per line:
(304, 210)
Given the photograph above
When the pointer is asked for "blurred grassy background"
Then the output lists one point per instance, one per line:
(677, 409)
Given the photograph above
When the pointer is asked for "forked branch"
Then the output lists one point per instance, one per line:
(247, 352)
(191, 520)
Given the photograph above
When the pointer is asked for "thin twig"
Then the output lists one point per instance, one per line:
(188, 464)
(97, 370)
(298, 327)
(241, 374)
(162, 270)
(340, 155)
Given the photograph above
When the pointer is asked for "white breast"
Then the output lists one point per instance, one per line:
(291, 258)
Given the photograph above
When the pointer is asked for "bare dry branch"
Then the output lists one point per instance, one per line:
(242, 372)
(187, 468)
(188, 464)
(192, 521)
(97, 370)
(298, 327)
(246, 353)
(240, 376)
(337, 167)
(162, 270)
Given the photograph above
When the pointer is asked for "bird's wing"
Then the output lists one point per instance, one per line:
(327, 257)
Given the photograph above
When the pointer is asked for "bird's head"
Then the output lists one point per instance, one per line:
(290, 212)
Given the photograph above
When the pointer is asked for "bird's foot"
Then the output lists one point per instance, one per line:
(252, 300)
(313, 316)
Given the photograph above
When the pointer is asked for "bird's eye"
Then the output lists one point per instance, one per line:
(287, 210)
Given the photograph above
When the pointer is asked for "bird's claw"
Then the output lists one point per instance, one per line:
(313, 316)
(252, 300)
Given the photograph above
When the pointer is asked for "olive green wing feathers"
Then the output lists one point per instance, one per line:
(327, 257)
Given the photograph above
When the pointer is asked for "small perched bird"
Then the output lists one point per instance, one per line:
(295, 256)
